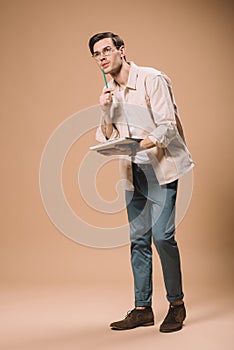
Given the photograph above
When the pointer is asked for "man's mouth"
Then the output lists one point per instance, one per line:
(104, 65)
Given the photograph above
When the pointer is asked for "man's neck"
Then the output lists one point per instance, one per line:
(121, 77)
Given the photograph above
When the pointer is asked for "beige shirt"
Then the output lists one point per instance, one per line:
(151, 110)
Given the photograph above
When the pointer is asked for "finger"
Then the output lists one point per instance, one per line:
(108, 99)
(108, 90)
(105, 153)
(123, 147)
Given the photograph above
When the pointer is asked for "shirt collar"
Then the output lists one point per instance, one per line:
(132, 77)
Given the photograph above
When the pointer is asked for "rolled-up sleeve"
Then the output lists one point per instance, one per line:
(163, 111)
(100, 137)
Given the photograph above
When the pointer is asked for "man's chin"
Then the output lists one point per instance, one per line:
(107, 70)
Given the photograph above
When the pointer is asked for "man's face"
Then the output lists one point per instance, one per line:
(108, 57)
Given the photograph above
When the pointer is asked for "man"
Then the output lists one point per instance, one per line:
(139, 102)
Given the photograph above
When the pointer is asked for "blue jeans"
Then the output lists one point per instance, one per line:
(151, 215)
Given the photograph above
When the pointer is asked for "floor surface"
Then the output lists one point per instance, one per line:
(59, 318)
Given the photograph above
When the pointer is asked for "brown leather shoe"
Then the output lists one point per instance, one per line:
(135, 318)
(174, 320)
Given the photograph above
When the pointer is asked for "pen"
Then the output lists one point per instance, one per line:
(104, 76)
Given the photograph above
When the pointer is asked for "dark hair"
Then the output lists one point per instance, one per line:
(117, 41)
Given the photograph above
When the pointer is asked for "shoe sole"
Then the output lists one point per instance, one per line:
(170, 330)
(140, 325)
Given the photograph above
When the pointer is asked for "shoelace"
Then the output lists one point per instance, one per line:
(129, 312)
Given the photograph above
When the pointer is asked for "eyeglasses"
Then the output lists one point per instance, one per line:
(106, 52)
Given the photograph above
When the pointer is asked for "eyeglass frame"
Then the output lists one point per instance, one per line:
(106, 51)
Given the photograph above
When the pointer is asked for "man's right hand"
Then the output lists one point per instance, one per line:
(106, 100)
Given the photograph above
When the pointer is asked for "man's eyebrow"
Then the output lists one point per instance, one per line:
(103, 48)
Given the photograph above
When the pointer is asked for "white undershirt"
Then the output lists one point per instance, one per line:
(141, 157)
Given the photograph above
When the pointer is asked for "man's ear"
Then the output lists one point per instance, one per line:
(122, 51)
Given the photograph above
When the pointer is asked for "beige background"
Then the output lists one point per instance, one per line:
(47, 75)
